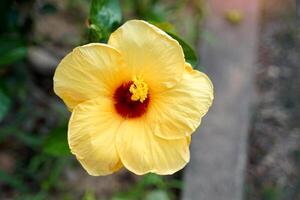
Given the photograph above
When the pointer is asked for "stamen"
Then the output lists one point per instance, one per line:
(138, 89)
(124, 104)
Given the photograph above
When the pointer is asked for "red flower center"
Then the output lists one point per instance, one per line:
(127, 107)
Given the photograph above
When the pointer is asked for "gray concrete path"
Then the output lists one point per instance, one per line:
(218, 150)
(298, 10)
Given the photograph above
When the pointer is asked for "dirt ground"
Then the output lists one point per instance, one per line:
(273, 171)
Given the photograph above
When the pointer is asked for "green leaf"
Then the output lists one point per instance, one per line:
(157, 195)
(57, 144)
(56, 166)
(153, 180)
(5, 104)
(13, 181)
(41, 195)
(165, 26)
(189, 53)
(175, 183)
(30, 140)
(48, 8)
(271, 193)
(94, 33)
(150, 10)
(105, 17)
(11, 50)
(89, 195)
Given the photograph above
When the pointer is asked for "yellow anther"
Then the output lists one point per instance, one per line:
(138, 89)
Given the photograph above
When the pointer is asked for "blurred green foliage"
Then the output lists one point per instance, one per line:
(55, 144)
(12, 50)
(5, 103)
(12, 47)
(105, 17)
(151, 187)
(34, 162)
(33, 123)
(271, 193)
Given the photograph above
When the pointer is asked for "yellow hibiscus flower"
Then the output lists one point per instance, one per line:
(135, 102)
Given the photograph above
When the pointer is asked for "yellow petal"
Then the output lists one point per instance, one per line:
(177, 112)
(87, 72)
(92, 132)
(189, 139)
(150, 53)
(142, 152)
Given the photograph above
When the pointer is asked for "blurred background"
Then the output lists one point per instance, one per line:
(35, 162)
